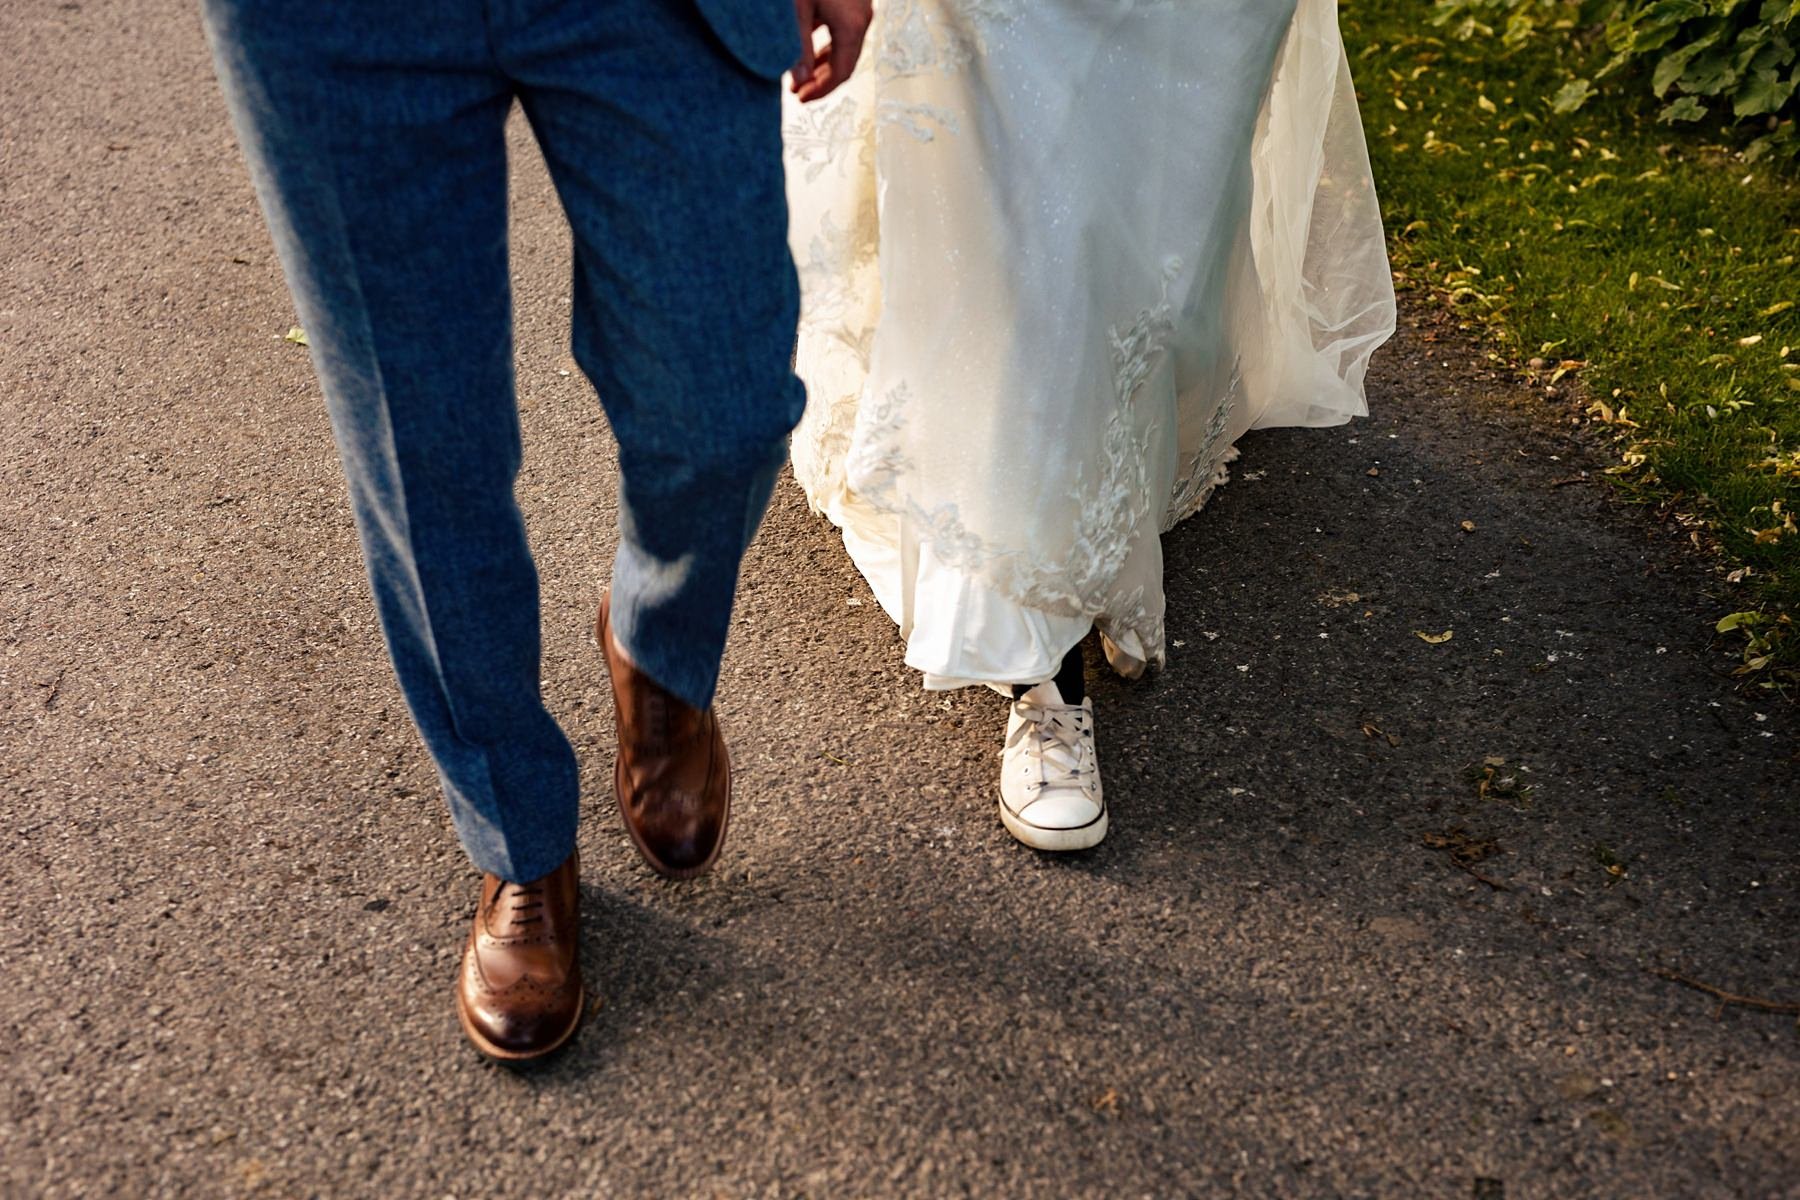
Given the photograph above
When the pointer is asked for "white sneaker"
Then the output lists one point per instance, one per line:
(1050, 795)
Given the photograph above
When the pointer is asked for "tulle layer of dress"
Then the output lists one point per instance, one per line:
(1057, 256)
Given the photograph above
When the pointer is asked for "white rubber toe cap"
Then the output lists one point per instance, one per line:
(1061, 810)
(1080, 837)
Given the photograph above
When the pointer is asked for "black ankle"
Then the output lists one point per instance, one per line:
(1071, 678)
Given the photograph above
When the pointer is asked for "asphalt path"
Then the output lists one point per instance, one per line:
(1329, 949)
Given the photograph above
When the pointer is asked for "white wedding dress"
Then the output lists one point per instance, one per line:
(1057, 256)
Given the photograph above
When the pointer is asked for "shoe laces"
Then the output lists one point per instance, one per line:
(652, 708)
(1052, 737)
(527, 902)
(653, 716)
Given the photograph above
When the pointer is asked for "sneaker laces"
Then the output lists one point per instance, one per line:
(1050, 736)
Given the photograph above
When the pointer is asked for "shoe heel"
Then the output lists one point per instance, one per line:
(1121, 661)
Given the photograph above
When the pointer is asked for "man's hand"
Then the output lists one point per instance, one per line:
(820, 70)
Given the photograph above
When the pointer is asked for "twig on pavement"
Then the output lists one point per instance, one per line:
(1493, 883)
(1725, 997)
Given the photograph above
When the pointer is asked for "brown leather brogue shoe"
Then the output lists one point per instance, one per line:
(672, 775)
(519, 995)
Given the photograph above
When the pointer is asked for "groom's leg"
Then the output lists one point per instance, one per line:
(375, 136)
(667, 155)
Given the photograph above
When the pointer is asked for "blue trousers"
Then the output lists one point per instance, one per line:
(375, 135)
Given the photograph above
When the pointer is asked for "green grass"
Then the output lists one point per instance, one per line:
(1658, 268)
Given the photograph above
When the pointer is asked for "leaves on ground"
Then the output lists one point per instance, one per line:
(1464, 848)
(1644, 267)
(1372, 730)
(1495, 779)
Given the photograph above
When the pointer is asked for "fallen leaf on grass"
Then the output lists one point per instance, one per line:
(1572, 95)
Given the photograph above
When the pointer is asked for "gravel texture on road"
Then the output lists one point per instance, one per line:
(1379, 916)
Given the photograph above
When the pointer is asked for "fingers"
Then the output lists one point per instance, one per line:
(847, 35)
(847, 21)
(823, 80)
(806, 14)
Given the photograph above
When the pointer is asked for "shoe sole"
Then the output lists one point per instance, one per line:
(1083, 837)
(517, 1057)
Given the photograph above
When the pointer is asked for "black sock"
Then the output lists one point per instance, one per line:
(1070, 679)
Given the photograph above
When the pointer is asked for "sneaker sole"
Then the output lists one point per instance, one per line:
(1083, 837)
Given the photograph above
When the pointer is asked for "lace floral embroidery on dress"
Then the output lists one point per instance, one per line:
(1205, 469)
(910, 38)
(1114, 508)
(943, 74)
(855, 443)
(918, 119)
(815, 136)
(834, 137)
(918, 36)
(827, 277)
